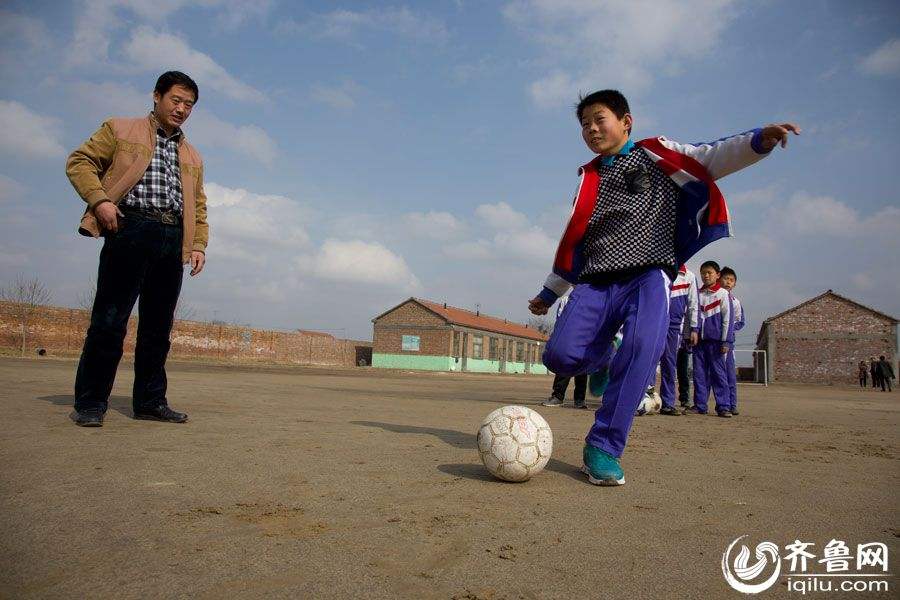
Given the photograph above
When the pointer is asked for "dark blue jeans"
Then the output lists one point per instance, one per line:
(142, 260)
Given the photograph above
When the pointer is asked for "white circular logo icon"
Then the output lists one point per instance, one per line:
(740, 575)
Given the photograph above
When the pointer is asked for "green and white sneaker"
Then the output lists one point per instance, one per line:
(601, 467)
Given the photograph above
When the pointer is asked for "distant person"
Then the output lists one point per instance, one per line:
(885, 373)
(560, 383)
(873, 370)
(641, 209)
(143, 184)
(863, 374)
(716, 324)
(728, 277)
(683, 316)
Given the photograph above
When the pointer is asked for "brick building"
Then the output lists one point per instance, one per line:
(420, 334)
(823, 339)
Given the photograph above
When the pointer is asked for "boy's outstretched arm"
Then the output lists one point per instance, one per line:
(733, 153)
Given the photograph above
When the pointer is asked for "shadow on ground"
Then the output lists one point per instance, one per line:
(120, 404)
(465, 441)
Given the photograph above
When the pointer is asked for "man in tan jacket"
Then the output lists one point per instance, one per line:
(143, 184)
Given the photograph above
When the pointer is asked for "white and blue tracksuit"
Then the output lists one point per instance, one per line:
(729, 361)
(716, 327)
(683, 315)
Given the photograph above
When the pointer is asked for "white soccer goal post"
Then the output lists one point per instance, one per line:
(755, 359)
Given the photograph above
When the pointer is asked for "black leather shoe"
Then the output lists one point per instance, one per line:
(88, 418)
(161, 413)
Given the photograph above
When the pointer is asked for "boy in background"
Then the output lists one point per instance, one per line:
(683, 314)
(716, 323)
(728, 279)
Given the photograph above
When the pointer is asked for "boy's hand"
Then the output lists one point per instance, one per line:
(538, 306)
(695, 338)
(724, 349)
(772, 134)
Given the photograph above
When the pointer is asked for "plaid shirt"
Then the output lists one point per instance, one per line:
(160, 187)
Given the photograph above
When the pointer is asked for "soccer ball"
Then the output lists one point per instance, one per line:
(650, 404)
(515, 443)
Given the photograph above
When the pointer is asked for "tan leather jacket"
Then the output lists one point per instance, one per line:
(115, 158)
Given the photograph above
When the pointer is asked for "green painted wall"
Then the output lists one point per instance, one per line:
(447, 363)
(411, 361)
(479, 365)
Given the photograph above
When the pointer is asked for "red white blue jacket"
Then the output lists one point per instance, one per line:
(701, 216)
(716, 315)
(683, 301)
(738, 317)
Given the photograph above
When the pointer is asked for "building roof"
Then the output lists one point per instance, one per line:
(473, 320)
(877, 313)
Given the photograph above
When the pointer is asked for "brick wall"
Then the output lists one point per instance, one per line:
(61, 332)
(823, 341)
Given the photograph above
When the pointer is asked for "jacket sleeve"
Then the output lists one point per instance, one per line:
(724, 156)
(738, 315)
(554, 287)
(87, 164)
(694, 305)
(727, 320)
(201, 227)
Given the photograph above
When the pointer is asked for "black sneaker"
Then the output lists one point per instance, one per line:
(693, 410)
(725, 414)
(670, 411)
(734, 412)
(580, 404)
(552, 401)
(88, 418)
(160, 413)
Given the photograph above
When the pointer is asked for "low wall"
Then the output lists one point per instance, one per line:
(60, 331)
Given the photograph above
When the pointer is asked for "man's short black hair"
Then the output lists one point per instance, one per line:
(170, 78)
(611, 99)
(728, 271)
(711, 263)
(881, 357)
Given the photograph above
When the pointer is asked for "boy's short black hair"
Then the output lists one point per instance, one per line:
(170, 78)
(728, 271)
(611, 99)
(711, 263)
(881, 357)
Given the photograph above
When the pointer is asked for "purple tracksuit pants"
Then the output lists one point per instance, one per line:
(582, 338)
(731, 372)
(667, 366)
(709, 374)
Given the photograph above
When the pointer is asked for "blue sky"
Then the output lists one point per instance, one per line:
(359, 153)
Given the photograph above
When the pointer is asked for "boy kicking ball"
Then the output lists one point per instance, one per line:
(642, 208)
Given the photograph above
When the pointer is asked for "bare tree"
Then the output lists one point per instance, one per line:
(86, 298)
(542, 324)
(25, 295)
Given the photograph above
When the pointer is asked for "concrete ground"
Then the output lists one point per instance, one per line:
(305, 483)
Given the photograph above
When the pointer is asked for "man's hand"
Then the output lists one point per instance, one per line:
(198, 260)
(725, 349)
(108, 215)
(538, 306)
(695, 338)
(772, 134)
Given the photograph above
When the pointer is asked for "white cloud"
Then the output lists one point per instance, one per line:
(434, 225)
(341, 96)
(348, 24)
(208, 130)
(501, 216)
(24, 34)
(807, 214)
(356, 261)
(885, 60)
(759, 196)
(254, 227)
(27, 133)
(153, 51)
(616, 43)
